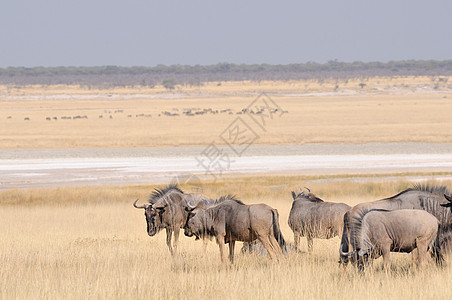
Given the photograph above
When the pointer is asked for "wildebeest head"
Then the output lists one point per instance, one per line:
(352, 255)
(308, 196)
(153, 217)
(363, 259)
(300, 194)
(363, 247)
(195, 221)
(448, 198)
(359, 257)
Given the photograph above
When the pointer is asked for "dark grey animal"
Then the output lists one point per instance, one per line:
(448, 198)
(232, 220)
(447, 236)
(204, 204)
(377, 232)
(167, 209)
(423, 197)
(311, 217)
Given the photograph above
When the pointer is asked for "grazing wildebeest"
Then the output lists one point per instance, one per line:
(166, 209)
(377, 232)
(231, 220)
(448, 198)
(311, 217)
(423, 197)
(447, 236)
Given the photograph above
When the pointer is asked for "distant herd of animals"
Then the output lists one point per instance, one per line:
(190, 112)
(417, 220)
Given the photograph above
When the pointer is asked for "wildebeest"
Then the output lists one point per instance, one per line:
(446, 237)
(311, 217)
(448, 198)
(377, 232)
(204, 204)
(167, 209)
(423, 197)
(231, 220)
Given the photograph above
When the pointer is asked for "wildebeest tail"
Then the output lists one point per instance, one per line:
(436, 249)
(277, 231)
(345, 241)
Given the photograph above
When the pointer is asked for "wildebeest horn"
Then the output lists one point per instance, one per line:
(136, 206)
(301, 191)
(346, 253)
(449, 198)
(190, 205)
(309, 190)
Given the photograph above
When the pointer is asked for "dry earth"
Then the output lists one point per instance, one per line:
(67, 135)
(386, 110)
(31, 168)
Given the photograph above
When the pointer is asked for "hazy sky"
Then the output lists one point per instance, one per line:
(148, 33)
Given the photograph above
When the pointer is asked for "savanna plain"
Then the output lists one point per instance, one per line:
(89, 242)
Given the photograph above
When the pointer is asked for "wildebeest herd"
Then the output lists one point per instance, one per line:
(417, 220)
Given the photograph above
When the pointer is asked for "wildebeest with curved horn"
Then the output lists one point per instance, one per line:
(448, 198)
(422, 197)
(166, 209)
(446, 237)
(231, 220)
(311, 217)
(377, 232)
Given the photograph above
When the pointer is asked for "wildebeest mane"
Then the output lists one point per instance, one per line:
(431, 204)
(158, 193)
(429, 188)
(228, 197)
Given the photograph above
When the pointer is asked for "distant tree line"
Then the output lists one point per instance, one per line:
(170, 76)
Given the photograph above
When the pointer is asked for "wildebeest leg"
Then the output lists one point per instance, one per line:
(176, 240)
(169, 233)
(422, 249)
(275, 246)
(296, 238)
(414, 256)
(231, 251)
(386, 258)
(220, 242)
(310, 242)
(205, 241)
(267, 244)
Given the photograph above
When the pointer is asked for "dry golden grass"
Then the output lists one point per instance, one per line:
(251, 188)
(405, 109)
(98, 248)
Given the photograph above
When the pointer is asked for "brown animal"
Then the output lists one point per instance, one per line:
(311, 217)
(167, 209)
(423, 197)
(232, 220)
(378, 232)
